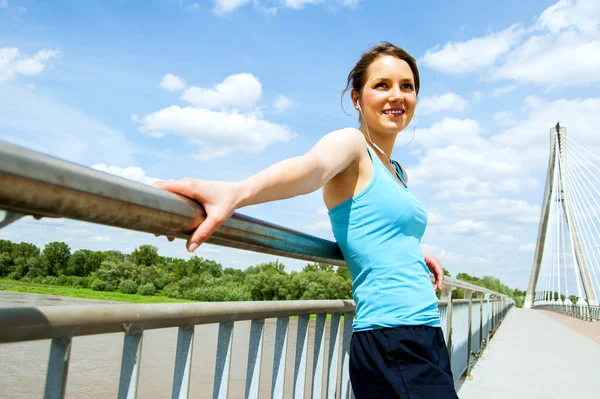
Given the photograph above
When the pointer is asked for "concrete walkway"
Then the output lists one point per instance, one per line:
(538, 354)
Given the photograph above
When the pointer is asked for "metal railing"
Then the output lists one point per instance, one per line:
(581, 311)
(35, 184)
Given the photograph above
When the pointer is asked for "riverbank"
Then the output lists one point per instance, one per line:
(17, 286)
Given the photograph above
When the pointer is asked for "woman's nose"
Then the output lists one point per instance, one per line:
(395, 93)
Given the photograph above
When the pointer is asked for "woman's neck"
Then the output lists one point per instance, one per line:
(384, 142)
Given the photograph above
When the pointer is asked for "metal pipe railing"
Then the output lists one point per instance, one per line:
(36, 184)
(33, 183)
(31, 323)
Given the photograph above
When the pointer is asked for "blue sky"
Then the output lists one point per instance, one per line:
(167, 89)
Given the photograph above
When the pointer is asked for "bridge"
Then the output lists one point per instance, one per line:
(545, 350)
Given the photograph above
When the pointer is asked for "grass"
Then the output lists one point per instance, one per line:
(17, 286)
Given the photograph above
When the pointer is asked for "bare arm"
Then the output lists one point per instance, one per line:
(285, 179)
(306, 173)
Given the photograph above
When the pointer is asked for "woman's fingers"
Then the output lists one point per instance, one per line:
(206, 228)
(184, 187)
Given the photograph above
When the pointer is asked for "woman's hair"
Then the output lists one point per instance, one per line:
(358, 75)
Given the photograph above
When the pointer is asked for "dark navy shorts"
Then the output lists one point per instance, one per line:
(401, 362)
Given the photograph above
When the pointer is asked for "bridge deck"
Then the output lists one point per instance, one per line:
(538, 354)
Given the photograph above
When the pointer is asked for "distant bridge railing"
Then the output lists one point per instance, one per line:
(35, 184)
(580, 311)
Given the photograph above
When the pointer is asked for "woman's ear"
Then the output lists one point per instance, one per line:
(355, 102)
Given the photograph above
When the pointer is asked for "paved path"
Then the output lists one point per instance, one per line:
(538, 354)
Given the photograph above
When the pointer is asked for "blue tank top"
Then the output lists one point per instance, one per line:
(379, 233)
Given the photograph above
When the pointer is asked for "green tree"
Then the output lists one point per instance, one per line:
(145, 255)
(77, 261)
(25, 250)
(57, 258)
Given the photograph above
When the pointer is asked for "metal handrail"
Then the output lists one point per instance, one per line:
(36, 184)
(32, 323)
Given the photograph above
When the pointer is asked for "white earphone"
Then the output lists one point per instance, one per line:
(371, 141)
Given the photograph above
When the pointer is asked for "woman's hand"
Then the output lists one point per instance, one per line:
(435, 266)
(219, 200)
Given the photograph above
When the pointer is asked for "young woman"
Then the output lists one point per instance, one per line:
(397, 348)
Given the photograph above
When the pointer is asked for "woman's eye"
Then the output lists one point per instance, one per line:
(407, 87)
(378, 85)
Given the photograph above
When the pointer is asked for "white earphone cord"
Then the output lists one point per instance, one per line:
(375, 145)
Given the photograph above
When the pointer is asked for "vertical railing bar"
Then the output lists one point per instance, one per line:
(319, 351)
(346, 390)
(447, 293)
(333, 358)
(482, 297)
(183, 362)
(254, 358)
(223, 360)
(58, 368)
(130, 364)
(279, 357)
(301, 355)
(469, 293)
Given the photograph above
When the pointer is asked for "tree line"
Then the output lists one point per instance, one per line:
(145, 272)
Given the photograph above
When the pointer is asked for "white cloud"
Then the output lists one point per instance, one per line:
(536, 60)
(502, 90)
(449, 131)
(227, 6)
(443, 102)
(172, 82)
(527, 248)
(469, 227)
(472, 55)
(132, 173)
(240, 91)
(486, 162)
(565, 14)
(42, 124)
(505, 238)
(504, 118)
(517, 211)
(562, 48)
(580, 116)
(443, 255)
(218, 134)
(12, 63)
(434, 218)
(100, 238)
(349, 3)
(477, 97)
(465, 187)
(192, 7)
(516, 185)
(282, 103)
(3, 3)
(298, 4)
(479, 260)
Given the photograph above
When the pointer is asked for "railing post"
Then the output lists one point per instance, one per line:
(58, 368)
(447, 293)
(279, 357)
(345, 390)
(334, 346)
(469, 295)
(301, 352)
(183, 362)
(223, 361)
(130, 365)
(255, 357)
(480, 296)
(318, 356)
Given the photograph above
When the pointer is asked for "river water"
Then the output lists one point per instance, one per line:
(95, 364)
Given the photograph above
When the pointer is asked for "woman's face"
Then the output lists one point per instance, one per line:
(389, 98)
